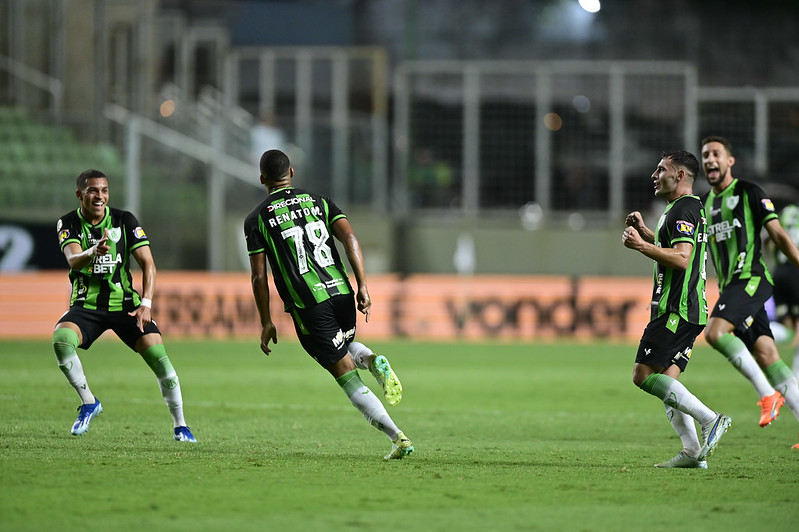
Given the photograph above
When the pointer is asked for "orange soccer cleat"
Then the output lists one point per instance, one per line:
(770, 408)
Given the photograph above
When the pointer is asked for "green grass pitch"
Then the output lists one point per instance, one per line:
(550, 436)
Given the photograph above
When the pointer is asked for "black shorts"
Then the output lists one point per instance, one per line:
(744, 305)
(93, 323)
(326, 329)
(660, 346)
(786, 291)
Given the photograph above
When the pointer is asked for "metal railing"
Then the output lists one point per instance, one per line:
(52, 86)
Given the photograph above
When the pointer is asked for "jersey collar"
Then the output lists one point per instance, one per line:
(105, 216)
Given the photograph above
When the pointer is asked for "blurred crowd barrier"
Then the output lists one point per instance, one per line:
(417, 307)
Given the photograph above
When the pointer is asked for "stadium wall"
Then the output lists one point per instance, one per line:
(419, 307)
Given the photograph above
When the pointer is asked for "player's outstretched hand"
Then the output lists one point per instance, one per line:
(100, 248)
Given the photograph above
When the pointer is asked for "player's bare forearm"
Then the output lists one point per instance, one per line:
(260, 291)
(678, 257)
(78, 258)
(144, 258)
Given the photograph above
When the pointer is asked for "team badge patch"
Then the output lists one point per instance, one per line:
(114, 234)
(139, 233)
(768, 205)
(732, 202)
(686, 228)
(63, 235)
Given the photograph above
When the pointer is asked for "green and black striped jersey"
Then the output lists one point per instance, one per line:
(293, 227)
(105, 283)
(682, 291)
(735, 219)
(789, 218)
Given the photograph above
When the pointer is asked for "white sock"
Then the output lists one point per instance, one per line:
(678, 396)
(684, 426)
(796, 363)
(745, 363)
(360, 354)
(170, 390)
(790, 390)
(373, 411)
(73, 370)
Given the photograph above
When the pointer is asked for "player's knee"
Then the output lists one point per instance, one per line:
(638, 377)
(713, 335)
(65, 342)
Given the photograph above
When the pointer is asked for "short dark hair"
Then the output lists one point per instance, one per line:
(83, 178)
(274, 165)
(685, 159)
(721, 140)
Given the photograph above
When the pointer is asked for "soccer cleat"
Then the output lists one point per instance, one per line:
(85, 415)
(770, 408)
(683, 460)
(712, 432)
(401, 448)
(381, 369)
(184, 434)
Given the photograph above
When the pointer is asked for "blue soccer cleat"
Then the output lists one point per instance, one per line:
(85, 415)
(184, 434)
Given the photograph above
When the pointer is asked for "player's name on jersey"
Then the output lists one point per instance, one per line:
(294, 215)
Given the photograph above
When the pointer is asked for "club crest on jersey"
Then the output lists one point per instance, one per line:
(139, 233)
(686, 228)
(114, 234)
(63, 235)
(768, 204)
(732, 202)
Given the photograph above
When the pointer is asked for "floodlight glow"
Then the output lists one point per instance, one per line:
(592, 6)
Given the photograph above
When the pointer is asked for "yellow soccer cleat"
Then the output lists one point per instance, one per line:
(401, 448)
(382, 372)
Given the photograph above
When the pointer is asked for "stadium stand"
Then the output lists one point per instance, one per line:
(35, 156)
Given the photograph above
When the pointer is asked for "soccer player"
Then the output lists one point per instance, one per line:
(739, 325)
(98, 242)
(786, 284)
(293, 229)
(679, 306)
